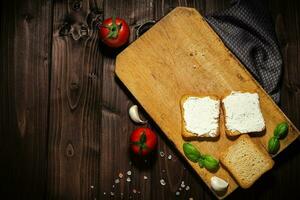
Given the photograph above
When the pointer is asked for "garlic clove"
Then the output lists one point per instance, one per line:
(134, 115)
(218, 184)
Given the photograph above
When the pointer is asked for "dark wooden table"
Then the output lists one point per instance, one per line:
(64, 125)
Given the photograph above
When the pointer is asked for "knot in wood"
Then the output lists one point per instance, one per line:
(69, 150)
(28, 17)
(74, 85)
(65, 29)
(77, 5)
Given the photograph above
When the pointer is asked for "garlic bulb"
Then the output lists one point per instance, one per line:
(218, 184)
(134, 115)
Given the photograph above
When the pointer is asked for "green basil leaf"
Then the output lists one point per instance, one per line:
(273, 145)
(191, 152)
(201, 162)
(210, 163)
(281, 130)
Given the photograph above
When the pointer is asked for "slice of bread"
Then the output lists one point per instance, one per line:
(242, 113)
(246, 161)
(200, 116)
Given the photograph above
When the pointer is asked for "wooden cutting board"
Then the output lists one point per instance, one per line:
(181, 55)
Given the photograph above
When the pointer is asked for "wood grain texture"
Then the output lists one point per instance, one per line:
(286, 17)
(25, 62)
(86, 123)
(75, 98)
(24, 111)
(191, 60)
(288, 31)
(116, 125)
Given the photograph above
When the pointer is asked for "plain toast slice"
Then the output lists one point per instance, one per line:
(246, 161)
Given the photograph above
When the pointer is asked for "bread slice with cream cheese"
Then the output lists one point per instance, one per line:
(200, 116)
(242, 113)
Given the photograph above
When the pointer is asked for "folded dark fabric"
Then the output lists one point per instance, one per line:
(247, 29)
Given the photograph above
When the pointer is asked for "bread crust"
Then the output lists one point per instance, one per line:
(189, 135)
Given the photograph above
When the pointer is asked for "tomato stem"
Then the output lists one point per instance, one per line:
(141, 143)
(114, 29)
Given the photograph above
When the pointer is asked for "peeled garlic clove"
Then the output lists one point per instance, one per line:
(218, 184)
(134, 115)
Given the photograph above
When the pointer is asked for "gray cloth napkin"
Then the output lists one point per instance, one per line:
(247, 30)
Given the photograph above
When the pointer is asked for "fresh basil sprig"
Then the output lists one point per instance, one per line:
(191, 152)
(280, 132)
(207, 161)
(273, 145)
(210, 163)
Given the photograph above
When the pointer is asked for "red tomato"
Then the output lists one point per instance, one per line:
(143, 141)
(114, 32)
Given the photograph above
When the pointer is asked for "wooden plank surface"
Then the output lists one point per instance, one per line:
(27, 31)
(159, 68)
(24, 81)
(116, 125)
(75, 96)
